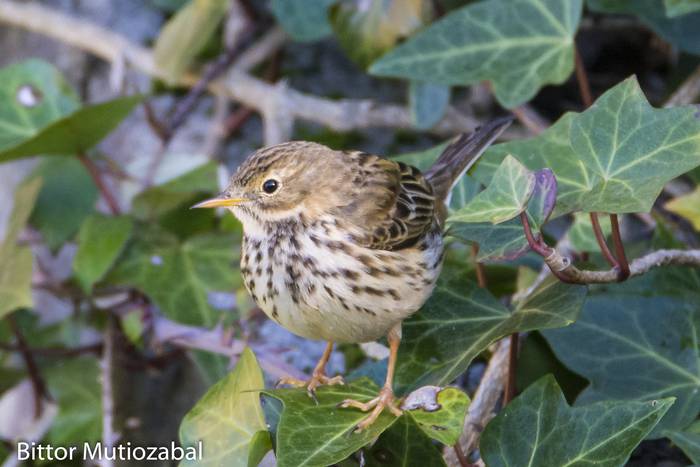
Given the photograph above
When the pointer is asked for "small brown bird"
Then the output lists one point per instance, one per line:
(343, 246)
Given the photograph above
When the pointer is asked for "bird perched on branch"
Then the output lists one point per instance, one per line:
(342, 245)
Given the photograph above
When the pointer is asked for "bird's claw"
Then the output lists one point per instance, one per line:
(385, 400)
(317, 379)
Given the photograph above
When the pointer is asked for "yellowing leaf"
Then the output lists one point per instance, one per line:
(687, 206)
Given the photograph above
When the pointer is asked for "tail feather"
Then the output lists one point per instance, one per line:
(461, 155)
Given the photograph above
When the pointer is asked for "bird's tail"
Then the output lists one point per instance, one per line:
(461, 155)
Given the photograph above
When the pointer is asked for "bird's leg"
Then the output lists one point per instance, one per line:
(318, 377)
(386, 398)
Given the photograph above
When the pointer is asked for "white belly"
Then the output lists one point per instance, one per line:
(319, 289)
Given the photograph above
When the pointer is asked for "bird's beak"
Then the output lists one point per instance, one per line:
(219, 203)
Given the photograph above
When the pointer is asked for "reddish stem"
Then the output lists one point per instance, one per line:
(100, 183)
(600, 238)
(480, 271)
(623, 264)
(584, 85)
(38, 384)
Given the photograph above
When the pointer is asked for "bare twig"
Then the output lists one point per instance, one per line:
(530, 119)
(38, 384)
(688, 92)
(480, 271)
(55, 352)
(600, 238)
(109, 436)
(623, 265)
(509, 393)
(582, 79)
(100, 183)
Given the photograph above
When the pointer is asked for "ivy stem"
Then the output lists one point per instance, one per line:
(510, 389)
(600, 238)
(480, 271)
(38, 383)
(623, 264)
(584, 85)
(541, 248)
(100, 183)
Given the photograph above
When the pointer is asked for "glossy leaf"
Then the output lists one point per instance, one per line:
(581, 235)
(647, 328)
(100, 241)
(428, 103)
(260, 445)
(539, 428)
(228, 417)
(439, 412)
(615, 157)
(518, 45)
(688, 440)
(681, 7)
(185, 35)
(460, 320)
(66, 199)
(318, 434)
(16, 270)
(180, 276)
(404, 442)
(304, 20)
(687, 206)
(503, 199)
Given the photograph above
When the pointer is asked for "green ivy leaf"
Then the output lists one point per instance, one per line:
(688, 440)
(185, 35)
(66, 199)
(503, 199)
(428, 103)
(614, 157)
(681, 31)
(100, 241)
(687, 206)
(33, 95)
(319, 434)
(75, 386)
(260, 444)
(581, 235)
(180, 276)
(368, 28)
(460, 320)
(439, 412)
(404, 442)
(647, 329)
(16, 270)
(518, 45)
(681, 7)
(228, 418)
(304, 20)
(539, 428)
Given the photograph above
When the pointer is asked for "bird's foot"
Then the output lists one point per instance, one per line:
(385, 400)
(318, 378)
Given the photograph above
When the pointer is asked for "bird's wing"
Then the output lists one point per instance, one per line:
(393, 204)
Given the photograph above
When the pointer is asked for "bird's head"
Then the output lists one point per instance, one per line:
(277, 182)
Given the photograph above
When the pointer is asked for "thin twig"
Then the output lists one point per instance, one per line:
(109, 436)
(620, 255)
(38, 384)
(530, 119)
(54, 352)
(100, 183)
(584, 85)
(509, 393)
(480, 271)
(600, 238)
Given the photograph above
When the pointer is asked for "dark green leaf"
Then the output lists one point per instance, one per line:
(404, 442)
(539, 428)
(228, 418)
(100, 241)
(311, 434)
(428, 103)
(260, 445)
(75, 386)
(688, 440)
(614, 157)
(681, 7)
(518, 45)
(439, 412)
(180, 276)
(460, 320)
(65, 201)
(636, 341)
(304, 20)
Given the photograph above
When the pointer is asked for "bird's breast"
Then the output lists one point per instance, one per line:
(314, 280)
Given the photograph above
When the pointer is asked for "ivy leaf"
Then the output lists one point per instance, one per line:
(687, 206)
(688, 440)
(428, 103)
(460, 320)
(507, 241)
(647, 328)
(368, 28)
(75, 386)
(16, 271)
(581, 235)
(304, 20)
(404, 442)
(66, 199)
(439, 412)
(539, 428)
(100, 241)
(180, 276)
(260, 444)
(614, 157)
(503, 199)
(185, 35)
(681, 31)
(318, 434)
(519, 46)
(681, 7)
(228, 418)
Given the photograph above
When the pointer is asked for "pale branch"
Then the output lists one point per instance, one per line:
(239, 85)
(483, 405)
(688, 92)
(109, 436)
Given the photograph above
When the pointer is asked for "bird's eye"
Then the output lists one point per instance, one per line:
(270, 186)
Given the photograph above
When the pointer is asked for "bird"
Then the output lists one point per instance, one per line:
(343, 246)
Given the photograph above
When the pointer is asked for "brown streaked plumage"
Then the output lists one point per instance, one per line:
(343, 246)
